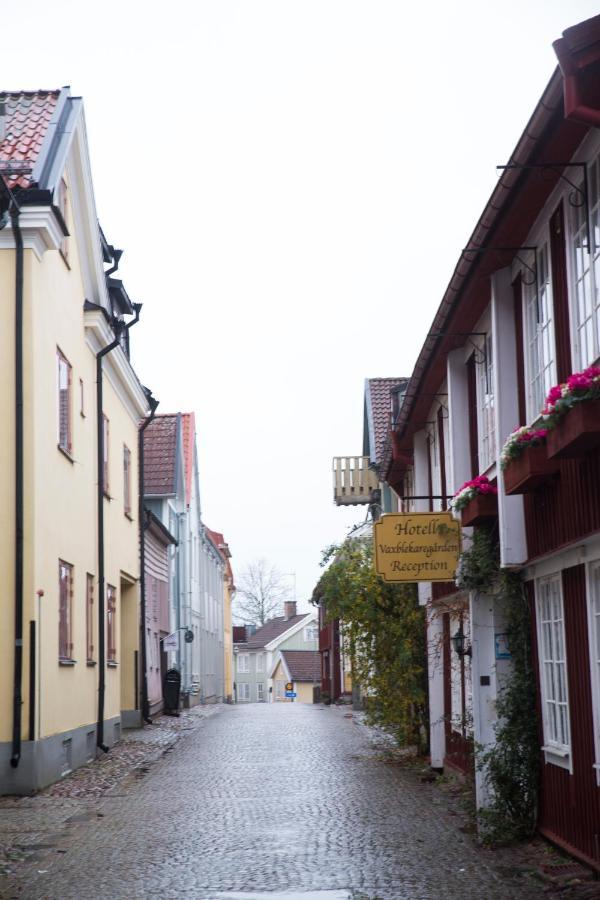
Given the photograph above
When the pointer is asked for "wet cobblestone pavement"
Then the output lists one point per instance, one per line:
(253, 800)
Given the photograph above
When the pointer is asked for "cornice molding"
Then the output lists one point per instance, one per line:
(40, 229)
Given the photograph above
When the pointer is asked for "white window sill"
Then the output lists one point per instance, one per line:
(557, 756)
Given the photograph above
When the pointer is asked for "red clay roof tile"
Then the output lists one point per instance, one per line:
(381, 405)
(28, 114)
(303, 665)
(160, 449)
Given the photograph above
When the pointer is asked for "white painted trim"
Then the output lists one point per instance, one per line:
(294, 629)
(593, 652)
(39, 228)
(116, 366)
(564, 558)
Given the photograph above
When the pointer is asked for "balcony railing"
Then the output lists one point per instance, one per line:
(353, 480)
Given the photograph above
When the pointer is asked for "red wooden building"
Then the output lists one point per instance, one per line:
(522, 313)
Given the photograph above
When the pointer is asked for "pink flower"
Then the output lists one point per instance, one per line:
(554, 394)
(579, 381)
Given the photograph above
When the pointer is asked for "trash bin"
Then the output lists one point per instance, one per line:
(171, 689)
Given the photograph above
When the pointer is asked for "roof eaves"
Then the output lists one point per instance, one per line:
(483, 232)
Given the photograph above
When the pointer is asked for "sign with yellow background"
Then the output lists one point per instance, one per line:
(417, 546)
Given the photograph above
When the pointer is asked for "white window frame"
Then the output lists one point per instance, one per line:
(260, 662)
(486, 403)
(311, 633)
(585, 341)
(556, 751)
(243, 688)
(260, 691)
(538, 328)
(593, 608)
(245, 658)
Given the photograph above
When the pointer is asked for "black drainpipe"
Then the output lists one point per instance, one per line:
(141, 516)
(101, 578)
(18, 662)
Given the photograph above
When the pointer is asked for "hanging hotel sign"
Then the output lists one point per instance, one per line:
(417, 546)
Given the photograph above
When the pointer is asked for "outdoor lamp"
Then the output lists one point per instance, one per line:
(458, 641)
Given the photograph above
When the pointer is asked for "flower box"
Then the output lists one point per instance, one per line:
(529, 471)
(576, 432)
(480, 509)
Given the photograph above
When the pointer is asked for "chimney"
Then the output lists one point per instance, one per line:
(289, 609)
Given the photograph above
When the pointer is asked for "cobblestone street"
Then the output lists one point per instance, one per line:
(256, 798)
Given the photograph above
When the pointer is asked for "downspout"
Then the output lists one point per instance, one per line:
(101, 576)
(19, 463)
(144, 652)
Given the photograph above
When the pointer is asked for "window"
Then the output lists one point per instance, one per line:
(594, 629)
(81, 399)
(64, 402)
(539, 335)
(260, 692)
(111, 623)
(585, 273)
(486, 423)
(311, 633)
(553, 670)
(243, 662)
(62, 203)
(260, 662)
(243, 691)
(89, 618)
(127, 480)
(105, 451)
(65, 610)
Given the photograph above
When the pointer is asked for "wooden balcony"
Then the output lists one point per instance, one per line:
(353, 480)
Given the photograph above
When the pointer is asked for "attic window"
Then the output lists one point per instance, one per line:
(62, 204)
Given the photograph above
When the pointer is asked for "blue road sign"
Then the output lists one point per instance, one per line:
(291, 694)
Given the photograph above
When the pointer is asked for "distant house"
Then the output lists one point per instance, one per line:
(301, 669)
(196, 565)
(255, 656)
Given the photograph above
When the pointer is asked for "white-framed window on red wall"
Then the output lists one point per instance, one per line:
(585, 273)
(486, 414)
(593, 593)
(111, 623)
(540, 352)
(554, 687)
(89, 618)
(65, 610)
(127, 480)
(65, 375)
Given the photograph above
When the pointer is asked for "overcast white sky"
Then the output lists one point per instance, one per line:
(291, 183)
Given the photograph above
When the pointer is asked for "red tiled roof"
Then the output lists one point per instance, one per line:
(380, 396)
(160, 451)
(28, 114)
(223, 547)
(271, 630)
(303, 665)
(189, 436)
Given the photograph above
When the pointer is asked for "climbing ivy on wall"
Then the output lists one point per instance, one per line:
(384, 628)
(511, 766)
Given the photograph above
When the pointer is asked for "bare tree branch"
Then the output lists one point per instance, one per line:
(260, 591)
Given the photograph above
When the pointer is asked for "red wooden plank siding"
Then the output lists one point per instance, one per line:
(560, 294)
(442, 589)
(569, 808)
(441, 445)
(566, 508)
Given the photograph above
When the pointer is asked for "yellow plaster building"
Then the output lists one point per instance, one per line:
(69, 546)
